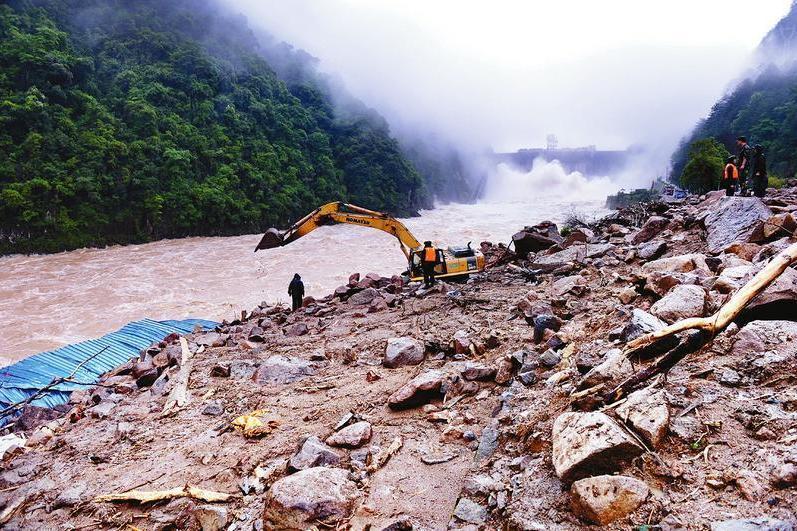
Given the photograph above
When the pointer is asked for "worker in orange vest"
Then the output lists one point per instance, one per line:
(429, 259)
(730, 176)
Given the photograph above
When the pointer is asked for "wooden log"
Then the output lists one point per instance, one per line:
(148, 496)
(179, 396)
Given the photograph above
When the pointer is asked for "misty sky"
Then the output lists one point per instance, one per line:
(505, 73)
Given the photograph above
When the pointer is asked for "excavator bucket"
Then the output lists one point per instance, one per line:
(272, 238)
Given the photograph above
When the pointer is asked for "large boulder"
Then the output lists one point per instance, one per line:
(652, 227)
(420, 390)
(361, 298)
(299, 501)
(735, 219)
(604, 499)
(531, 242)
(648, 413)
(401, 351)
(686, 300)
(588, 443)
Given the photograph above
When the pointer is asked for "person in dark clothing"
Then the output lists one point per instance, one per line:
(744, 158)
(430, 257)
(296, 291)
(730, 176)
(760, 178)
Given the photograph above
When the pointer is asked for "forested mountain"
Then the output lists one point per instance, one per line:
(132, 121)
(763, 106)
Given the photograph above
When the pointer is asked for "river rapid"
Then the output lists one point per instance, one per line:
(47, 301)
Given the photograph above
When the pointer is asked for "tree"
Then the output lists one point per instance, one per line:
(704, 166)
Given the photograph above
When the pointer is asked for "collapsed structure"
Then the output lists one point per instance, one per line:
(480, 405)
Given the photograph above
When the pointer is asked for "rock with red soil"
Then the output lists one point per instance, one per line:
(296, 330)
(589, 443)
(652, 227)
(420, 390)
(314, 453)
(301, 500)
(604, 499)
(352, 436)
(478, 371)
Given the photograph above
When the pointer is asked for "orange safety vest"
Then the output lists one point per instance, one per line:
(429, 254)
(734, 172)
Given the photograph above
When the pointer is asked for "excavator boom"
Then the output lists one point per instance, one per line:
(456, 262)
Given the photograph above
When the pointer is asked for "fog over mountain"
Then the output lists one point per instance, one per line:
(504, 74)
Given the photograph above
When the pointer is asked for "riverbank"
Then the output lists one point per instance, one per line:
(385, 406)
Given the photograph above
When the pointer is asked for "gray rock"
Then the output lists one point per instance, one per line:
(312, 454)
(735, 219)
(71, 496)
(604, 499)
(527, 378)
(641, 323)
(614, 366)
(279, 369)
(296, 330)
(480, 485)
(352, 436)
(759, 337)
(478, 371)
(488, 443)
(241, 369)
(213, 408)
(780, 298)
(763, 523)
(729, 377)
(688, 429)
(680, 302)
(401, 351)
(361, 298)
(589, 443)
(471, 512)
(298, 501)
(651, 250)
(684, 263)
(549, 358)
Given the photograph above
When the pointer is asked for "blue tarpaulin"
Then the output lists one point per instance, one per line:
(22, 379)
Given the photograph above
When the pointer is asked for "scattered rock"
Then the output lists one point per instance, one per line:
(550, 359)
(296, 330)
(213, 408)
(648, 413)
(604, 499)
(641, 323)
(278, 369)
(300, 500)
(364, 297)
(211, 517)
(763, 523)
(615, 366)
(477, 371)
(420, 390)
(652, 227)
(488, 443)
(589, 443)
(652, 250)
(470, 511)
(352, 436)
(401, 351)
(312, 454)
(680, 303)
(576, 253)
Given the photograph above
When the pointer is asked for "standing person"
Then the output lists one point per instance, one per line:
(296, 291)
(730, 176)
(760, 178)
(745, 160)
(429, 259)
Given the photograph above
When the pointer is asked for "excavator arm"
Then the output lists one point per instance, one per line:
(339, 212)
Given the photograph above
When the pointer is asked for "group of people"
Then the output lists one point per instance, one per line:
(745, 173)
(430, 257)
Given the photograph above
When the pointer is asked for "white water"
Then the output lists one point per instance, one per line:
(47, 301)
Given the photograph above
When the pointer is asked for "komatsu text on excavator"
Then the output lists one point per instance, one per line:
(457, 261)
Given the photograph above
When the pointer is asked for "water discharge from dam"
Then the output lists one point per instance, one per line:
(47, 301)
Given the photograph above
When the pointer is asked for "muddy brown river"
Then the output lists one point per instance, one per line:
(47, 301)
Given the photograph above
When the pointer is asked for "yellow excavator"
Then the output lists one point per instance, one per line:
(457, 261)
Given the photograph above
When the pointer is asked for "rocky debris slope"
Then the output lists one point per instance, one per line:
(465, 406)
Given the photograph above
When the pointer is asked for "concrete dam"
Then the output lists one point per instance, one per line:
(586, 160)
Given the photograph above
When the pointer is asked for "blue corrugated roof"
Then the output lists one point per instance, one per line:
(24, 378)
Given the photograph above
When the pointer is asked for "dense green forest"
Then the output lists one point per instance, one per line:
(132, 121)
(762, 107)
